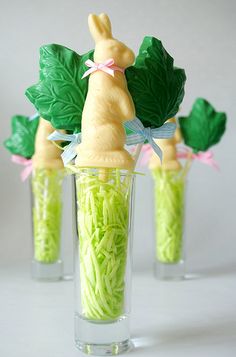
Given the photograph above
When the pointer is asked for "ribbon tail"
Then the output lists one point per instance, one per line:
(25, 173)
(207, 159)
(211, 162)
(108, 70)
(89, 63)
(34, 116)
(69, 153)
(156, 148)
(215, 165)
(88, 72)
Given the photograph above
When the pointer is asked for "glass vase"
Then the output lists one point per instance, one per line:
(103, 260)
(47, 221)
(169, 219)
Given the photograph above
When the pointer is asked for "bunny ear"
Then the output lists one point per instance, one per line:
(97, 27)
(106, 23)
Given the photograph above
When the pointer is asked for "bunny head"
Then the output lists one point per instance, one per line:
(106, 46)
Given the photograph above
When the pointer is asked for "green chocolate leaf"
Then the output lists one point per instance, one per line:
(203, 127)
(60, 94)
(156, 86)
(22, 139)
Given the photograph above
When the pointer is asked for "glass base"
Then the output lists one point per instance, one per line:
(169, 271)
(47, 271)
(102, 338)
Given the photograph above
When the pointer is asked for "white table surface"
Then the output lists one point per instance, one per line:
(196, 317)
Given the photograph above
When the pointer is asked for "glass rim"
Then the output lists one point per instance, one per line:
(95, 171)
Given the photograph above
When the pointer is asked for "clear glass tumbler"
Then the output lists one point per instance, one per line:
(169, 219)
(103, 260)
(47, 220)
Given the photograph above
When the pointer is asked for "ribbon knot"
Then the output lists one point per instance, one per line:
(21, 160)
(142, 134)
(206, 157)
(108, 67)
(147, 133)
(69, 151)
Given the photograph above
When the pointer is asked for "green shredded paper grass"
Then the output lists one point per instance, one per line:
(169, 214)
(103, 228)
(47, 208)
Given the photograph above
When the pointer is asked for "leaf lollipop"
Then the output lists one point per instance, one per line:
(22, 140)
(60, 93)
(203, 127)
(156, 86)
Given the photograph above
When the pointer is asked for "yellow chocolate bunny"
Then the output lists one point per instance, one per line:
(168, 147)
(46, 155)
(108, 103)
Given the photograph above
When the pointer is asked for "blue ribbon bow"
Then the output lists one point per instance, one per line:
(141, 134)
(69, 151)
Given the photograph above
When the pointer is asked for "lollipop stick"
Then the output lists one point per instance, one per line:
(187, 164)
(103, 174)
(137, 153)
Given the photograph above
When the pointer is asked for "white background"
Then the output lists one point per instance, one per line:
(192, 318)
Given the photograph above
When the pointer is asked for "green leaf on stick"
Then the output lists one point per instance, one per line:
(23, 135)
(60, 94)
(156, 86)
(203, 127)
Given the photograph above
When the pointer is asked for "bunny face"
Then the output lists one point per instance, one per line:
(111, 48)
(106, 46)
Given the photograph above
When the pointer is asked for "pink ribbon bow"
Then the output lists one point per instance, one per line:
(107, 67)
(20, 160)
(206, 157)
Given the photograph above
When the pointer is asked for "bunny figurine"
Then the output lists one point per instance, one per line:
(46, 155)
(168, 147)
(108, 103)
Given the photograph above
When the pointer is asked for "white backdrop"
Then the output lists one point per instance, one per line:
(200, 35)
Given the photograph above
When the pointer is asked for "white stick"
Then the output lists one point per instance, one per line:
(137, 153)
